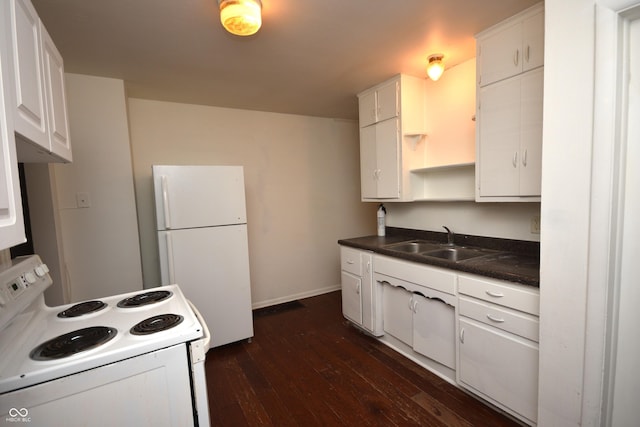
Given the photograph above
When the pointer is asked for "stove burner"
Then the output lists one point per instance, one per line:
(157, 324)
(146, 298)
(73, 342)
(82, 309)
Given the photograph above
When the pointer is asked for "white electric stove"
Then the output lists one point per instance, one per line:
(130, 359)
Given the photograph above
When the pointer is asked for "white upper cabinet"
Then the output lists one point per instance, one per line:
(30, 115)
(379, 166)
(512, 47)
(509, 109)
(379, 103)
(56, 96)
(391, 131)
(510, 132)
(11, 220)
(40, 109)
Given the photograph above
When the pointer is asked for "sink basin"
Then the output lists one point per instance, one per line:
(456, 254)
(414, 247)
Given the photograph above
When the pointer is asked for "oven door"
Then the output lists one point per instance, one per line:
(197, 356)
(148, 390)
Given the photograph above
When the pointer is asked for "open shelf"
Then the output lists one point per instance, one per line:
(444, 183)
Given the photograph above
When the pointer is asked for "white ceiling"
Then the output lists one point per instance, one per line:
(311, 57)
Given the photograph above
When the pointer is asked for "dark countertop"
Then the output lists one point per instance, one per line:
(512, 260)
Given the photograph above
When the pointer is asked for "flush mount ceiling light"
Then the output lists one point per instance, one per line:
(435, 67)
(241, 17)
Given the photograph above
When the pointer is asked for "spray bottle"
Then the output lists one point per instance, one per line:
(382, 212)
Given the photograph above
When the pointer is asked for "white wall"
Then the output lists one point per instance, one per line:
(502, 220)
(101, 249)
(302, 187)
(450, 109)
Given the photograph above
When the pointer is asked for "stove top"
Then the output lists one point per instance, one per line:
(41, 343)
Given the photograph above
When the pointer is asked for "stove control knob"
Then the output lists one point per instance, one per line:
(41, 270)
(30, 278)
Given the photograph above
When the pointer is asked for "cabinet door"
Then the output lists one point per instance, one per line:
(56, 98)
(533, 42)
(531, 90)
(351, 297)
(434, 330)
(11, 220)
(387, 146)
(387, 101)
(500, 366)
(397, 314)
(498, 154)
(368, 163)
(30, 118)
(367, 108)
(500, 55)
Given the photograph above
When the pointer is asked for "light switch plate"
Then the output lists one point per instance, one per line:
(83, 200)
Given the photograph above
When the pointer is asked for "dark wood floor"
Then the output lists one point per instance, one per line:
(307, 366)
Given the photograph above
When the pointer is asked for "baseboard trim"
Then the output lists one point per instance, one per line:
(288, 298)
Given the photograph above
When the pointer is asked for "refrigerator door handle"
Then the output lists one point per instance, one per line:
(165, 201)
(170, 265)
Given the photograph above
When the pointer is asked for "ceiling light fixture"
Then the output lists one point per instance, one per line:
(435, 67)
(241, 17)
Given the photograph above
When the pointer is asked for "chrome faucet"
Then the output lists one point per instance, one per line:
(449, 235)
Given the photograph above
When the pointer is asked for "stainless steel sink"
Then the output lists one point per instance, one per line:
(414, 247)
(456, 254)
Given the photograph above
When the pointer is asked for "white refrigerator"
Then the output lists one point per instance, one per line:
(202, 242)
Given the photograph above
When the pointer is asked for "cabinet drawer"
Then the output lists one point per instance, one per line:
(420, 274)
(350, 260)
(512, 295)
(517, 323)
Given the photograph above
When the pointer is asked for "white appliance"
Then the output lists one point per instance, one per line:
(202, 239)
(130, 359)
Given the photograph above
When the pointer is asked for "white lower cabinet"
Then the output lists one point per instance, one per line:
(479, 333)
(498, 343)
(396, 312)
(351, 297)
(434, 330)
(500, 366)
(360, 294)
(419, 307)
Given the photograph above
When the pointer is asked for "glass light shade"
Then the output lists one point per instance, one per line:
(241, 17)
(435, 68)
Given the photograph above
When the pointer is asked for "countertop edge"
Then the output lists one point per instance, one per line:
(376, 244)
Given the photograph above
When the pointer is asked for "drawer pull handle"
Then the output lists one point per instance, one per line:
(350, 262)
(495, 319)
(495, 294)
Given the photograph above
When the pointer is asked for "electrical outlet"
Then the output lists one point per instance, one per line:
(83, 200)
(535, 225)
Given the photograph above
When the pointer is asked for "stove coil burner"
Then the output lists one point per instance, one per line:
(73, 342)
(144, 299)
(157, 324)
(82, 308)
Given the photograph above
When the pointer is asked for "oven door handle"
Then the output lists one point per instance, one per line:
(200, 347)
